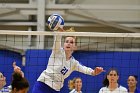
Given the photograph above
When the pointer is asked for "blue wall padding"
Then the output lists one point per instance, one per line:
(126, 62)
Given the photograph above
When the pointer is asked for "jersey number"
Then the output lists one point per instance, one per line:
(64, 70)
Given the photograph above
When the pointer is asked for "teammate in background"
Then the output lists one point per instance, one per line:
(19, 84)
(8, 89)
(132, 84)
(111, 83)
(2, 81)
(75, 85)
(60, 65)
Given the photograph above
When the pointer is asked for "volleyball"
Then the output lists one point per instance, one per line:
(55, 21)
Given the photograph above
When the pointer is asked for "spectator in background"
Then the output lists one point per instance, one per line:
(111, 84)
(75, 85)
(132, 84)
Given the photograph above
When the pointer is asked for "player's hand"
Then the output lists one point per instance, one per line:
(98, 70)
(17, 69)
(60, 29)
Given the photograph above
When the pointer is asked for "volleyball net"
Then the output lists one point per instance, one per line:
(33, 48)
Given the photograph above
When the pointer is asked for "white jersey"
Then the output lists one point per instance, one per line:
(59, 69)
(119, 89)
(74, 91)
(6, 90)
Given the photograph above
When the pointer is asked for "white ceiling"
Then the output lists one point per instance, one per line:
(117, 16)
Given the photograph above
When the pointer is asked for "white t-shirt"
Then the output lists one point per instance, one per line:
(74, 91)
(120, 89)
(59, 69)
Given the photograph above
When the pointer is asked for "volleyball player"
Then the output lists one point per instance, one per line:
(8, 89)
(132, 84)
(75, 85)
(111, 84)
(2, 80)
(60, 65)
(19, 84)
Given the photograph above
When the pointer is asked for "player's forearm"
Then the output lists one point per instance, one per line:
(93, 73)
(84, 69)
(57, 43)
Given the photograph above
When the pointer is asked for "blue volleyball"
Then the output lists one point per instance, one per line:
(55, 21)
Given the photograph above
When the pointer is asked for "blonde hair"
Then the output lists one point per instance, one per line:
(70, 29)
(71, 83)
(1, 75)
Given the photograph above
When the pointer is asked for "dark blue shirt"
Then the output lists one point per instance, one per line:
(137, 90)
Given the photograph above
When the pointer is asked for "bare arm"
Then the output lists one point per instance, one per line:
(57, 42)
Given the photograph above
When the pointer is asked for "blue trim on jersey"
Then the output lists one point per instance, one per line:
(41, 87)
(5, 90)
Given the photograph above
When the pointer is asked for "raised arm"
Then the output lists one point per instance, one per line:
(17, 69)
(57, 42)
